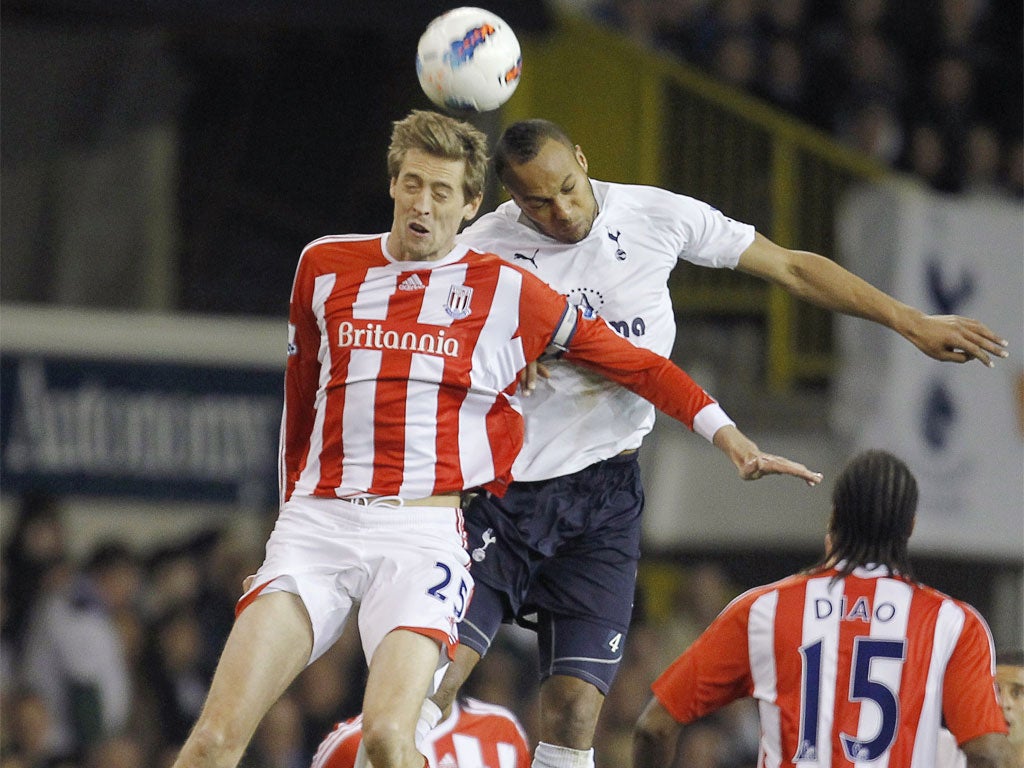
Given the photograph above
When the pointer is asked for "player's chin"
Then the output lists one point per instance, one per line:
(571, 235)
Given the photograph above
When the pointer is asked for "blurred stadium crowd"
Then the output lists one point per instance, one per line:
(931, 87)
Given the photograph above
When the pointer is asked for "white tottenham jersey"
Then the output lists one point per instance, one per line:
(620, 272)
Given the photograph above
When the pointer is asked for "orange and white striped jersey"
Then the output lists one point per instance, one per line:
(401, 375)
(474, 735)
(856, 673)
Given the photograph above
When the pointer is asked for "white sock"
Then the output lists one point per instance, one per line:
(551, 756)
(430, 715)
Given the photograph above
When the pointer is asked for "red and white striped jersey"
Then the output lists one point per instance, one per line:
(856, 673)
(474, 735)
(401, 375)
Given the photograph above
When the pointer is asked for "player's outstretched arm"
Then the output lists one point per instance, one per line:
(822, 282)
(753, 463)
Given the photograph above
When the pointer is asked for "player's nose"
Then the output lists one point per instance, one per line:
(562, 209)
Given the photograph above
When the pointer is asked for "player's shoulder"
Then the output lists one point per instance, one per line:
(940, 599)
(478, 257)
(614, 195)
(659, 208)
(485, 717)
(350, 245)
(486, 708)
(743, 602)
(505, 218)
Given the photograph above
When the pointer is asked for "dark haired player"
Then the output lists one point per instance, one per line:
(852, 662)
(564, 541)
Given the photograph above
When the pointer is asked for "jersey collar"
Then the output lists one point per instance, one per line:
(456, 253)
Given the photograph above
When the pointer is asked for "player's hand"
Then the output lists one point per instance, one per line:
(763, 464)
(753, 463)
(956, 339)
(528, 377)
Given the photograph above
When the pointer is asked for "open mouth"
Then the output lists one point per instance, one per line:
(419, 229)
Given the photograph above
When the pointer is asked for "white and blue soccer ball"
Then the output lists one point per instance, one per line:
(469, 59)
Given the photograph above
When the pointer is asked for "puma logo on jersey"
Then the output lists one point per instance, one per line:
(620, 254)
(412, 283)
(524, 257)
(489, 538)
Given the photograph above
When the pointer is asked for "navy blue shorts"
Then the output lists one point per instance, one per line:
(566, 551)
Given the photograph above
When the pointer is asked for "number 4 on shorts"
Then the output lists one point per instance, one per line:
(615, 641)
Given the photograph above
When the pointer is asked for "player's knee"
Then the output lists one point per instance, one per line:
(211, 743)
(387, 743)
(570, 710)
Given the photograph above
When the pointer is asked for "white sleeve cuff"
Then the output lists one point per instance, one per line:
(709, 420)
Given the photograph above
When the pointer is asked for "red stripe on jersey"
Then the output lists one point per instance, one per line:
(921, 625)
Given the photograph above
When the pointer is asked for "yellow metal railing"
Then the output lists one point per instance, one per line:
(647, 118)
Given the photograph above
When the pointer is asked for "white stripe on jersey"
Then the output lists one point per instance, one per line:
(498, 337)
(948, 626)
(372, 300)
(361, 382)
(761, 649)
(358, 420)
(468, 753)
(507, 756)
(491, 373)
(823, 630)
(425, 374)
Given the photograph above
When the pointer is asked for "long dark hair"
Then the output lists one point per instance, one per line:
(874, 503)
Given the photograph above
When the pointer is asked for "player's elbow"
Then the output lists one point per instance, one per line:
(656, 731)
(991, 750)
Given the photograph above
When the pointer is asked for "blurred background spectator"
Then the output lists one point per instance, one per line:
(869, 72)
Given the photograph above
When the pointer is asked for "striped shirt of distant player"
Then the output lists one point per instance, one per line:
(474, 735)
(857, 673)
(401, 376)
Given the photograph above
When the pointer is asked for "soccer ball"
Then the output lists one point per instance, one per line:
(468, 59)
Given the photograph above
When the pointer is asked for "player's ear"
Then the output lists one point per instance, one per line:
(471, 207)
(391, 187)
(581, 158)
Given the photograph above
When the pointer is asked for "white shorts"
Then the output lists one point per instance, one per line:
(406, 567)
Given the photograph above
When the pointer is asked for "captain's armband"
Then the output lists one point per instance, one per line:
(563, 334)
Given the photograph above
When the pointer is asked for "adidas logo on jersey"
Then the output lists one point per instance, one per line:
(411, 283)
